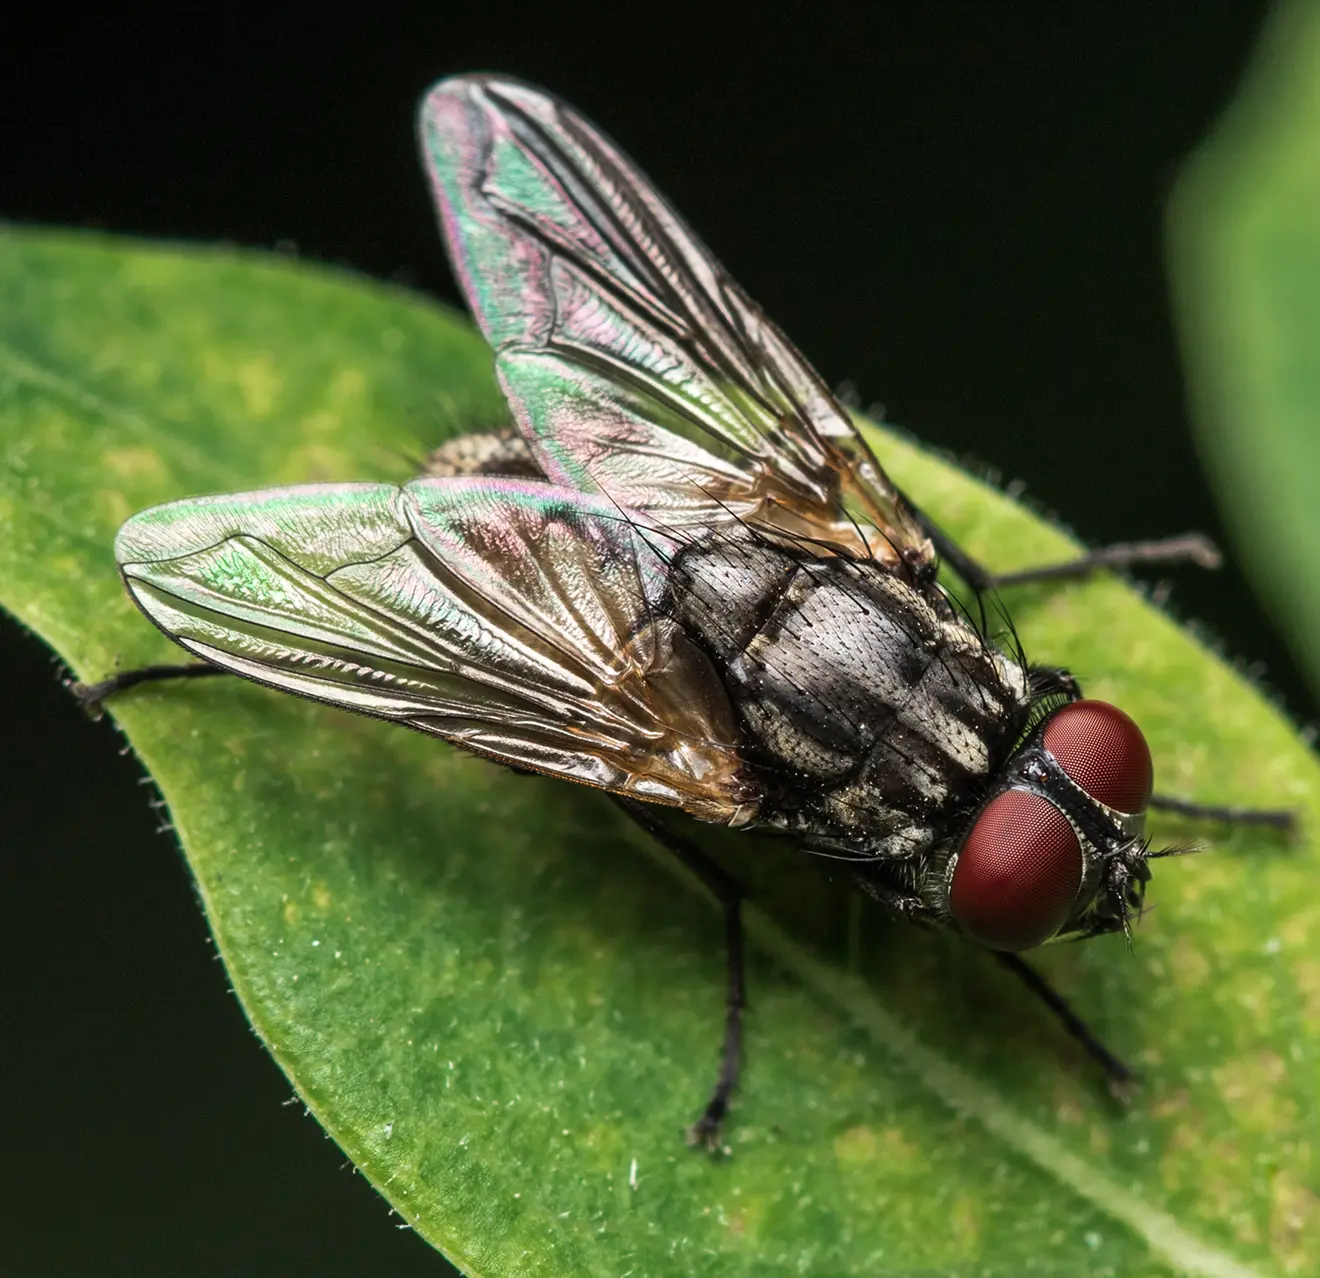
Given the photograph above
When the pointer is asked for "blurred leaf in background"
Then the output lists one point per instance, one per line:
(1244, 232)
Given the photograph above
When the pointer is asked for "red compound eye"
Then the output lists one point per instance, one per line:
(1018, 873)
(1101, 749)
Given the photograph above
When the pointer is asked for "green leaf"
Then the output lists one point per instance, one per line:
(505, 1004)
(1245, 247)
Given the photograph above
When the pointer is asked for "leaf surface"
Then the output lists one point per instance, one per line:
(505, 1005)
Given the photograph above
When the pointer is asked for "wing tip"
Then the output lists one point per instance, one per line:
(190, 525)
(443, 102)
(139, 539)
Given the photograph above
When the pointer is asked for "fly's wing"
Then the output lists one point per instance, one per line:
(515, 619)
(633, 364)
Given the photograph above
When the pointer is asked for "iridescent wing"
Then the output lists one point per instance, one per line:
(633, 364)
(515, 619)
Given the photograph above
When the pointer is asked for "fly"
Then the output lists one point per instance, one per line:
(685, 580)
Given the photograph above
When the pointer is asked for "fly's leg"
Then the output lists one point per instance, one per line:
(706, 1130)
(91, 695)
(1274, 819)
(1121, 1079)
(1190, 548)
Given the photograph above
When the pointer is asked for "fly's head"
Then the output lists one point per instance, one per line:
(1059, 850)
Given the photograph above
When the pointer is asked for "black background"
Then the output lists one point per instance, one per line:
(957, 207)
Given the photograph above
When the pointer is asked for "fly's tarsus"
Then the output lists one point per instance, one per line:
(706, 1130)
(1271, 818)
(91, 695)
(1190, 548)
(1122, 1081)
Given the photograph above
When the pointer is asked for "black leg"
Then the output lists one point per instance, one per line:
(1276, 819)
(1190, 548)
(90, 695)
(706, 1130)
(1121, 1079)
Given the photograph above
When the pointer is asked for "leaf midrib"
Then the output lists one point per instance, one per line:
(853, 998)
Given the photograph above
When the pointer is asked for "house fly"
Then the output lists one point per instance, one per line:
(684, 580)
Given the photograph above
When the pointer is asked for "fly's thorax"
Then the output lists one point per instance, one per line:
(722, 591)
(871, 713)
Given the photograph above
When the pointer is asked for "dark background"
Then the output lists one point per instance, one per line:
(957, 207)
